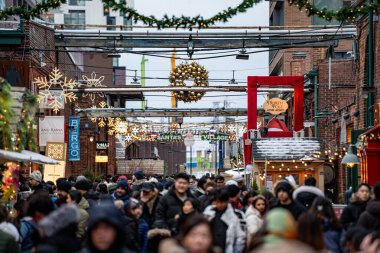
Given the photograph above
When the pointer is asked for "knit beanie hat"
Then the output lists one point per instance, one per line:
(139, 175)
(64, 186)
(280, 223)
(36, 175)
(232, 190)
(285, 186)
(83, 185)
(123, 185)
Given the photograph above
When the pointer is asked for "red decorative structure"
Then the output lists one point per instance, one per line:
(370, 156)
(254, 82)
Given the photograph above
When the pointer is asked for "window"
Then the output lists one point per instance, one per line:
(111, 21)
(75, 17)
(2, 4)
(77, 2)
(127, 21)
(332, 5)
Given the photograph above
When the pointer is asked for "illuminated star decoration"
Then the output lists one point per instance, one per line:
(55, 98)
(93, 82)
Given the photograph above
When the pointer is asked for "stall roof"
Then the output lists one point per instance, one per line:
(284, 148)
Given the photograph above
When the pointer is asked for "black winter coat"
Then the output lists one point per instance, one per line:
(151, 217)
(168, 207)
(370, 218)
(132, 240)
(351, 214)
(295, 208)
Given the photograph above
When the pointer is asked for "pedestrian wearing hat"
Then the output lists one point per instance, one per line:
(150, 198)
(283, 191)
(63, 189)
(106, 230)
(139, 179)
(36, 183)
(122, 192)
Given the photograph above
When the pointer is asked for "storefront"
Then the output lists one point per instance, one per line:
(369, 146)
(278, 158)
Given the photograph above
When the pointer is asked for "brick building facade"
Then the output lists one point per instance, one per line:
(338, 100)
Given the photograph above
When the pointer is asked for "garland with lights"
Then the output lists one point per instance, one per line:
(183, 21)
(23, 12)
(345, 13)
(6, 115)
(26, 136)
(185, 71)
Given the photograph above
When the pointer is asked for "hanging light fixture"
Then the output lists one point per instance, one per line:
(243, 53)
(350, 159)
(233, 81)
(135, 80)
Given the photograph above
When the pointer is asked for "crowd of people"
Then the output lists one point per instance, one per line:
(183, 214)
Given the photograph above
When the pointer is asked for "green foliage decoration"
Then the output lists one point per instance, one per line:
(6, 115)
(27, 136)
(345, 13)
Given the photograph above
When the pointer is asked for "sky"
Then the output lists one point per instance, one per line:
(218, 68)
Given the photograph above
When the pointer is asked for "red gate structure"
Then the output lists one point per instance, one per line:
(254, 82)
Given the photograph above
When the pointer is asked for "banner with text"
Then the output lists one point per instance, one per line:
(74, 139)
(51, 129)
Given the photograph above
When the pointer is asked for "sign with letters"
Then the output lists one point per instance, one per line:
(275, 106)
(74, 139)
(102, 145)
(51, 129)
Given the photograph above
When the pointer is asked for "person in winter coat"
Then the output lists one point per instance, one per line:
(196, 236)
(39, 206)
(307, 193)
(206, 199)
(255, 214)
(332, 231)
(136, 227)
(201, 186)
(36, 182)
(122, 192)
(139, 179)
(106, 230)
(150, 198)
(370, 218)
(58, 229)
(226, 225)
(352, 212)
(85, 188)
(8, 244)
(63, 189)
(310, 231)
(189, 208)
(279, 234)
(171, 203)
(76, 198)
(6, 226)
(284, 191)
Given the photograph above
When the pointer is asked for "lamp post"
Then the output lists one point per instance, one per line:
(350, 159)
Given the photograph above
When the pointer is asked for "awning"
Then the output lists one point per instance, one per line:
(11, 156)
(25, 156)
(239, 171)
(38, 158)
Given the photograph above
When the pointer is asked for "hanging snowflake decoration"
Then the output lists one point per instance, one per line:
(93, 82)
(105, 121)
(52, 91)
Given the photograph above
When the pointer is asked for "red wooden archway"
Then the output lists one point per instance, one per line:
(254, 82)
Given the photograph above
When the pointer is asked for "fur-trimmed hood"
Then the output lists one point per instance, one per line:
(59, 220)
